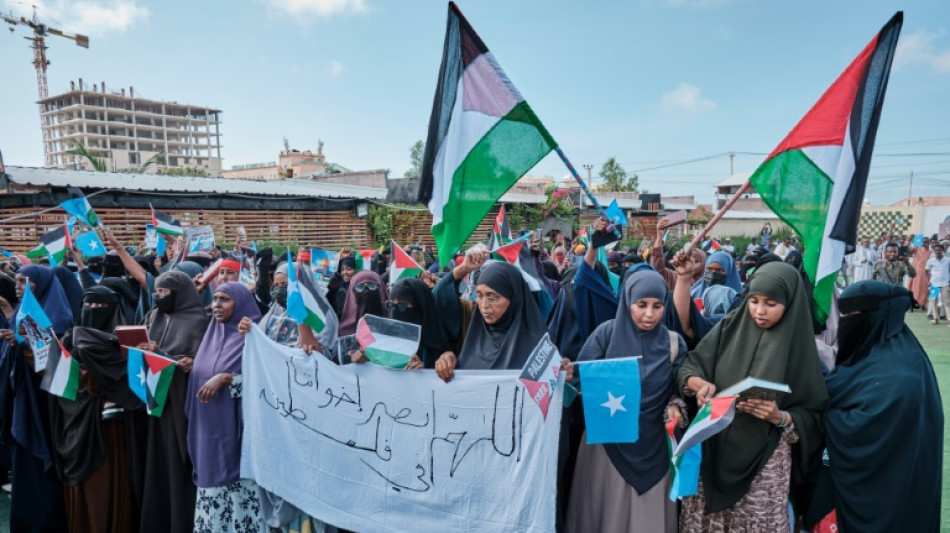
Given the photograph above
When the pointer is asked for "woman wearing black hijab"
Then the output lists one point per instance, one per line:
(8, 295)
(410, 300)
(176, 326)
(90, 433)
(884, 426)
(624, 487)
(506, 324)
(72, 288)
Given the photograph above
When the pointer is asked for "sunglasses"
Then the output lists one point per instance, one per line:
(369, 286)
(401, 306)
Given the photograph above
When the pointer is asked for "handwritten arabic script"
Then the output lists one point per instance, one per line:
(374, 449)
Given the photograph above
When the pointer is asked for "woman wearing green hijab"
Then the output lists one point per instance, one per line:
(747, 469)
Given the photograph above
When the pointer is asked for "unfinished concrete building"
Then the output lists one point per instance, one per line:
(126, 131)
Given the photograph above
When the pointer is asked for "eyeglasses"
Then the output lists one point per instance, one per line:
(401, 306)
(368, 286)
(491, 299)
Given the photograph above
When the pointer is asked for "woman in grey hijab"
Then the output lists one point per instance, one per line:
(624, 487)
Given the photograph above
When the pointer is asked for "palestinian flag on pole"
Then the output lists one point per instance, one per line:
(501, 231)
(404, 266)
(363, 259)
(62, 371)
(482, 138)
(305, 305)
(165, 223)
(388, 342)
(79, 207)
(150, 375)
(57, 243)
(815, 179)
(714, 417)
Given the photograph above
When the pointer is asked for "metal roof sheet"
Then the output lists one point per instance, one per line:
(164, 183)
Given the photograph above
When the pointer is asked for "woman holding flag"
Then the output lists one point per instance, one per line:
(747, 468)
(37, 501)
(623, 487)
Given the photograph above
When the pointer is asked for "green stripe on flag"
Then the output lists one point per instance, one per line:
(161, 389)
(799, 193)
(314, 320)
(72, 383)
(387, 358)
(506, 153)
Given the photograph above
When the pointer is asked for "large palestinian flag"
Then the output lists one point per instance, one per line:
(815, 179)
(482, 138)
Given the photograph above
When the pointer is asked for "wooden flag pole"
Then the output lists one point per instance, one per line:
(709, 225)
(587, 191)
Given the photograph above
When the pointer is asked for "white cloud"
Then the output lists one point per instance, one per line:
(91, 17)
(335, 68)
(919, 48)
(319, 8)
(686, 98)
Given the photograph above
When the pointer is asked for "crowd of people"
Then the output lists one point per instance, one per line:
(859, 438)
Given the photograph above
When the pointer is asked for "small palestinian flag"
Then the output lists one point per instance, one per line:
(150, 375)
(57, 242)
(684, 469)
(715, 246)
(714, 417)
(306, 306)
(501, 231)
(404, 266)
(519, 254)
(165, 223)
(363, 259)
(62, 371)
(79, 207)
(388, 342)
(582, 237)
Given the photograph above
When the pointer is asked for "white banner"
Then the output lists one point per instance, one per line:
(369, 449)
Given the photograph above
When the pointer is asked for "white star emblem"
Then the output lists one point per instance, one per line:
(614, 404)
(141, 376)
(93, 245)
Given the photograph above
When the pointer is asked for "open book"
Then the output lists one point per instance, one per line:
(758, 389)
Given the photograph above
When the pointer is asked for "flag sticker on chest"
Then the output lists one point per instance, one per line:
(540, 373)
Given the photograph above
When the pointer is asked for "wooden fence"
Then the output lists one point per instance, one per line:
(329, 229)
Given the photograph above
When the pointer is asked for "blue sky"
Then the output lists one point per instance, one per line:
(650, 82)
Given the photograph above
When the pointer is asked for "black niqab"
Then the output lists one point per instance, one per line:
(424, 313)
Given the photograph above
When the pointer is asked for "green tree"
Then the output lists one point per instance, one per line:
(415, 159)
(615, 178)
(94, 157)
(184, 171)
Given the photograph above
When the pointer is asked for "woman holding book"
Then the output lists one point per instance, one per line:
(624, 487)
(175, 326)
(747, 468)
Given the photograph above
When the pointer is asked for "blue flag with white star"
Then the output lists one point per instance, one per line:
(610, 390)
(90, 245)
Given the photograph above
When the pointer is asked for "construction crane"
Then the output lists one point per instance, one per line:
(38, 40)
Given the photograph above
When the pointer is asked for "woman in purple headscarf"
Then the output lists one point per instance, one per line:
(225, 502)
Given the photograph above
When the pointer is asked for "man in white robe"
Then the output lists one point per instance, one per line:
(862, 260)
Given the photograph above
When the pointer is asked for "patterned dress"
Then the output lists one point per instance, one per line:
(764, 507)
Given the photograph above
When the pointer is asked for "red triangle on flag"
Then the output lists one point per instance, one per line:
(827, 121)
(156, 363)
(510, 252)
(403, 260)
(721, 406)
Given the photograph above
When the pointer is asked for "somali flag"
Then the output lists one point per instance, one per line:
(89, 244)
(30, 307)
(611, 393)
(79, 207)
